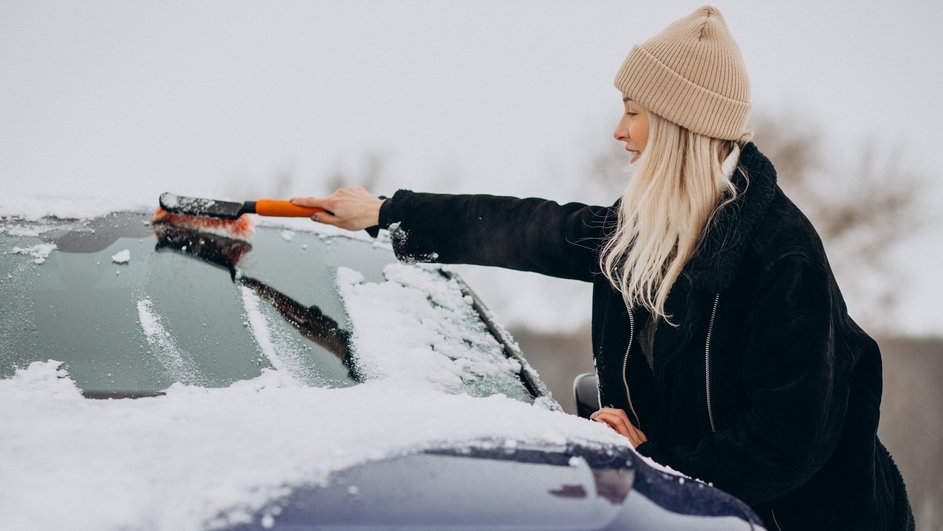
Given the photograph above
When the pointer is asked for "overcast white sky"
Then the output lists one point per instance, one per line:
(129, 99)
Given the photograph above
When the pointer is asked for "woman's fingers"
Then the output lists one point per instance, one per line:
(614, 421)
(316, 202)
(636, 436)
(617, 420)
(617, 414)
(325, 217)
(348, 208)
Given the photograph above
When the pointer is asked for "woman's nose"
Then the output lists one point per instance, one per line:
(620, 133)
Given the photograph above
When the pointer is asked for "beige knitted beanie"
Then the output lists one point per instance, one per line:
(691, 74)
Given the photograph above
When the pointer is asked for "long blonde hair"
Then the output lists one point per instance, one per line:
(678, 186)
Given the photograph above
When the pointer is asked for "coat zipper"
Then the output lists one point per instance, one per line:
(625, 366)
(707, 365)
(707, 383)
(598, 384)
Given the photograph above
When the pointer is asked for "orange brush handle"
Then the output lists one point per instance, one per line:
(284, 209)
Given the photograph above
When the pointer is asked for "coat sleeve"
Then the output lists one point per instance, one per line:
(797, 379)
(525, 234)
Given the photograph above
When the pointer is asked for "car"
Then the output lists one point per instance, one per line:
(160, 376)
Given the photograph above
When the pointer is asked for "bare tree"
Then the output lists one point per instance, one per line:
(369, 178)
(862, 213)
(284, 184)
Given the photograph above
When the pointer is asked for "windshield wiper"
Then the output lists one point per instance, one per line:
(225, 253)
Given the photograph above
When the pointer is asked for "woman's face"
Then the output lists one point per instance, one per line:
(633, 129)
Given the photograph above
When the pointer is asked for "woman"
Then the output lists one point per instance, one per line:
(722, 344)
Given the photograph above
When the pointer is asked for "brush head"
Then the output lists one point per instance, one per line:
(199, 206)
(222, 251)
(240, 227)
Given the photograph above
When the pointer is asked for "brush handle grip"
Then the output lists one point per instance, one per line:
(284, 209)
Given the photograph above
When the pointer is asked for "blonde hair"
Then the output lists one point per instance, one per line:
(677, 188)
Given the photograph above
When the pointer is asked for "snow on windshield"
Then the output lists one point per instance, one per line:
(419, 328)
(38, 253)
(206, 457)
(276, 348)
(178, 363)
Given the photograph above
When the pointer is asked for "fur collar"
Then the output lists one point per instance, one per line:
(719, 254)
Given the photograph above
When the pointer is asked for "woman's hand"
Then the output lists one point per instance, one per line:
(619, 421)
(347, 208)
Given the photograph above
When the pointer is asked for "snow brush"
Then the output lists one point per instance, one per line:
(223, 217)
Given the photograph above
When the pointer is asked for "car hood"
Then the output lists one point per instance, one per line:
(493, 485)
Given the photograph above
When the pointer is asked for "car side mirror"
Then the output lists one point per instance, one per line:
(586, 389)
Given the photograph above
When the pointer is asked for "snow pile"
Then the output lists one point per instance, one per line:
(199, 457)
(122, 257)
(421, 330)
(39, 252)
(287, 235)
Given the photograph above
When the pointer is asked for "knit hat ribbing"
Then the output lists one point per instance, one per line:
(691, 74)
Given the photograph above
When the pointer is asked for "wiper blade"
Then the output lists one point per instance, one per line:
(106, 395)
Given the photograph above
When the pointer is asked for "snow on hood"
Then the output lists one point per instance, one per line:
(200, 457)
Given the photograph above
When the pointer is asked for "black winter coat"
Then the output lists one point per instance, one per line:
(766, 388)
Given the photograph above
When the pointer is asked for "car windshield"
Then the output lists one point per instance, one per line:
(131, 308)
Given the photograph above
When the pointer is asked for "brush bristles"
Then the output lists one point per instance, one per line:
(234, 228)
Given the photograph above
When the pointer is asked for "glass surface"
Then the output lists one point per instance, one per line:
(185, 306)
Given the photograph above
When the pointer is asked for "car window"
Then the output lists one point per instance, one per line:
(131, 309)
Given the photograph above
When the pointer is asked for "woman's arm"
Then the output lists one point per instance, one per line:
(524, 234)
(797, 376)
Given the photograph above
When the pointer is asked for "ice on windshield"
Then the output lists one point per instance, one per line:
(419, 328)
